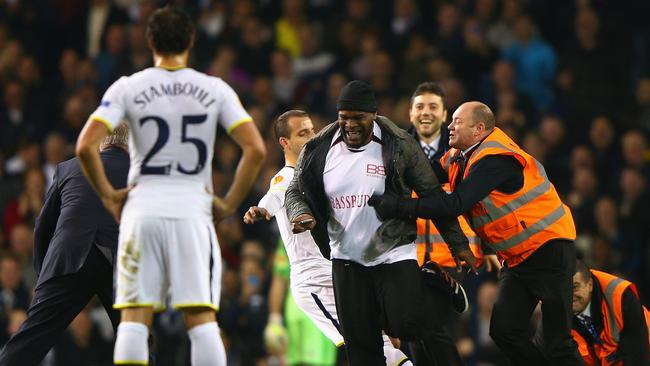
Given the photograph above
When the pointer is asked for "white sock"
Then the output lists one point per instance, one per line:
(394, 357)
(131, 344)
(207, 346)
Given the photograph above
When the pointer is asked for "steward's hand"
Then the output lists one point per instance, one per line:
(492, 262)
(468, 257)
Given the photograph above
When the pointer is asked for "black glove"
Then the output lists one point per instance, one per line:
(390, 206)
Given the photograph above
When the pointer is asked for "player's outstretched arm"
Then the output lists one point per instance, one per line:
(256, 213)
(87, 151)
(250, 141)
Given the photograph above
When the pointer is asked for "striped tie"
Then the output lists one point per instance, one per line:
(428, 151)
(589, 325)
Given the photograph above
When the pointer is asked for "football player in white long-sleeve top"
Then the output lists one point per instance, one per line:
(167, 239)
(310, 273)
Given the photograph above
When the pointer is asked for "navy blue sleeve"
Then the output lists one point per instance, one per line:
(46, 221)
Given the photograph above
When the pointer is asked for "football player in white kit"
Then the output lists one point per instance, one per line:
(310, 273)
(167, 242)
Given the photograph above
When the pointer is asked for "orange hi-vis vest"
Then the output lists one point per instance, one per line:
(611, 307)
(514, 224)
(431, 245)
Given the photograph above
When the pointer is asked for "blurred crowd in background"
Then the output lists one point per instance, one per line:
(568, 79)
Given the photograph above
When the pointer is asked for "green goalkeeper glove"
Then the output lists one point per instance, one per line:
(276, 338)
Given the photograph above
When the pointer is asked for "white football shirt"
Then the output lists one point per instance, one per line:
(172, 117)
(307, 264)
(351, 177)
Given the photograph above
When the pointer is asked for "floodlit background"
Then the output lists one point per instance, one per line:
(568, 79)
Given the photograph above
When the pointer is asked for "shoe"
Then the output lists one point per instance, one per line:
(459, 298)
(438, 278)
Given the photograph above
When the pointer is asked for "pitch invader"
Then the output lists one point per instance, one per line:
(310, 273)
(167, 241)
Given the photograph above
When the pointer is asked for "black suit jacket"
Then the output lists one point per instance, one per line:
(73, 218)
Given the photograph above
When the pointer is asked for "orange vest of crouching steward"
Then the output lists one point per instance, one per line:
(611, 307)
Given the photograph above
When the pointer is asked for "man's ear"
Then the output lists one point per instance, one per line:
(284, 142)
(480, 128)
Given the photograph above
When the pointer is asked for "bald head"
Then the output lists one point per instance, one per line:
(481, 113)
(471, 122)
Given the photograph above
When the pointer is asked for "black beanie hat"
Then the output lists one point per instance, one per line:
(357, 96)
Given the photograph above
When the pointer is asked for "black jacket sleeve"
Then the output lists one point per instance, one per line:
(46, 222)
(633, 344)
(500, 172)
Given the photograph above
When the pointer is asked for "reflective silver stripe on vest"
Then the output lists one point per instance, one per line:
(489, 144)
(494, 213)
(437, 238)
(537, 227)
(609, 299)
(448, 163)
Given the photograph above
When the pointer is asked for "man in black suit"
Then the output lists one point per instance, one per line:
(75, 241)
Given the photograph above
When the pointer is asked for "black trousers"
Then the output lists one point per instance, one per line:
(387, 297)
(546, 276)
(56, 303)
(441, 311)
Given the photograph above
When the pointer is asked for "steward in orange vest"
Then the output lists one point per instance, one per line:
(511, 204)
(610, 325)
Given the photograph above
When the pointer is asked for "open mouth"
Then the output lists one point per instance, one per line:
(353, 135)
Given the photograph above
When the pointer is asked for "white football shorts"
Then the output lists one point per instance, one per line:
(319, 305)
(158, 255)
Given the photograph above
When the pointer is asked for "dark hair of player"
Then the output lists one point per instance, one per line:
(281, 124)
(170, 31)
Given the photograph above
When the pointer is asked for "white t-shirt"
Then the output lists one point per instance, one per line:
(351, 177)
(307, 264)
(172, 117)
